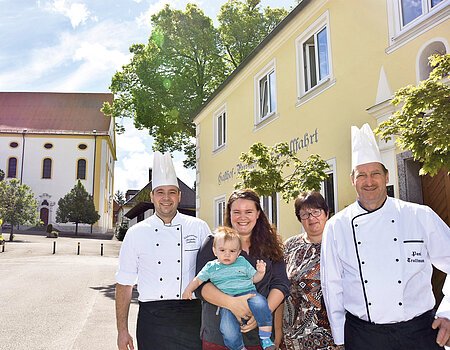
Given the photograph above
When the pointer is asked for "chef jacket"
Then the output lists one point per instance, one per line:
(377, 265)
(160, 257)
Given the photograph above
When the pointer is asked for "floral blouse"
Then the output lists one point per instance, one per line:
(305, 322)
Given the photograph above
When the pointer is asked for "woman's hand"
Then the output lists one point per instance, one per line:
(250, 325)
(239, 307)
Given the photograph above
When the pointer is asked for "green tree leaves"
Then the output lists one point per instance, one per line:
(278, 169)
(422, 124)
(77, 206)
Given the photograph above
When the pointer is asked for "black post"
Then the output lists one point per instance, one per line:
(78, 251)
(54, 247)
(101, 249)
(3, 247)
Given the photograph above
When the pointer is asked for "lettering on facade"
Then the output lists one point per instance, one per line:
(295, 145)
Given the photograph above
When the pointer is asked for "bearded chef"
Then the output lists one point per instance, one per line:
(158, 254)
(376, 264)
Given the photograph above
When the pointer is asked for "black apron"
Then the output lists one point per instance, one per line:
(169, 325)
(415, 334)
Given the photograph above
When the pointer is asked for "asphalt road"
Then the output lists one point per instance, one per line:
(61, 301)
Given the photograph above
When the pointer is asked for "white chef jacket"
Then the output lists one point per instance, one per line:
(377, 265)
(161, 258)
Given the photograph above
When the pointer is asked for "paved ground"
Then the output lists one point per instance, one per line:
(61, 301)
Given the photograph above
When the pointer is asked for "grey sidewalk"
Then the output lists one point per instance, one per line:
(61, 301)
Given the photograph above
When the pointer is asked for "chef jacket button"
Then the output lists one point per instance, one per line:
(366, 281)
(397, 260)
(359, 242)
(179, 244)
(160, 279)
(157, 244)
(178, 278)
(400, 303)
(395, 239)
(159, 262)
(178, 260)
(392, 221)
(178, 295)
(363, 262)
(399, 281)
(370, 304)
(178, 228)
(356, 225)
(156, 230)
(161, 297)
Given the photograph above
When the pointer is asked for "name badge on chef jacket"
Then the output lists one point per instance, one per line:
(414, 251)
(191, 243)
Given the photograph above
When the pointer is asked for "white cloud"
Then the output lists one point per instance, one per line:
(77, 12)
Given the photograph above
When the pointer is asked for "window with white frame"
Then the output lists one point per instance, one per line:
(220, 128)
(269, 205)
(328, 188)
(411, 18)
(314, 55)
(266, 97)
(219, 211)
(412, 9)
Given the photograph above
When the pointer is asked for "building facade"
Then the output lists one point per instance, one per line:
(327, 66)
(49, 141)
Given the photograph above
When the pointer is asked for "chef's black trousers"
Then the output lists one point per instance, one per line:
(169, 325)
(415, 334)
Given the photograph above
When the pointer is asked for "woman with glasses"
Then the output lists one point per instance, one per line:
(302, 320)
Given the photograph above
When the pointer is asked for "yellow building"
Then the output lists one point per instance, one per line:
(328, 65)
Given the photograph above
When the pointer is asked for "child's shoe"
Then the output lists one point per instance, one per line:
(267, 344)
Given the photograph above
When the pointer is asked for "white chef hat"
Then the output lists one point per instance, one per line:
(364, 146)
(163, 172)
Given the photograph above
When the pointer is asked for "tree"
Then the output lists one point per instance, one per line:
(243, 25)
(267, 172)
(119, 197)
(18, 206)
(182, 64)
(422, 124)
(77, 206)
(2, 175)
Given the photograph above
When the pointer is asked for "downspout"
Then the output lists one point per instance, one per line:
(23, 154)
(93, 170)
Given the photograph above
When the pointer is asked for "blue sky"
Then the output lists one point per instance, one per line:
(77, 46)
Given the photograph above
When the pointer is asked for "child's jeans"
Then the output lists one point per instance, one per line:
(230, 327)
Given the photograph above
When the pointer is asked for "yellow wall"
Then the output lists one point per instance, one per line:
(359, 38)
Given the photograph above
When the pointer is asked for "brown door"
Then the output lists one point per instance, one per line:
(44, 216)
(436, 194)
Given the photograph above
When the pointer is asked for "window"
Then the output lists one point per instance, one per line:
(410, 18)
(219, 211)
(412, 9)
(220, 128)
(12, 167)
(269, 205)
(423, 67)
(81, 169)
(314, 58)
(266, 97)
(47, 168)
(328, 189)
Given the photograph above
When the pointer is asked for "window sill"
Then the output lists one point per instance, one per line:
(267, 120)
(219, 149)
(316, 90)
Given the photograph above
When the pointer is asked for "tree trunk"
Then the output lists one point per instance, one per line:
(11, 234)
(76, 228)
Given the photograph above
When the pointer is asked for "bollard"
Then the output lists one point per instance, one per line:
(54, 247)
(3, 247)
(101, 249)
(78, 251)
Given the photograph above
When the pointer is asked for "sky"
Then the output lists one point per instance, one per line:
(77, 46)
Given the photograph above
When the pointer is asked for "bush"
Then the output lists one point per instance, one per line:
(121, 230)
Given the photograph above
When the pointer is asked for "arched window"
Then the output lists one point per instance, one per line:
(81, 169)
(12, 167)
(47, 168)
(424, 69)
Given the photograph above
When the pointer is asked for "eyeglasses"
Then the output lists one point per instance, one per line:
(314, 212)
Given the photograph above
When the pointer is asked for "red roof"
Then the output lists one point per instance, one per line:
(50, 112)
